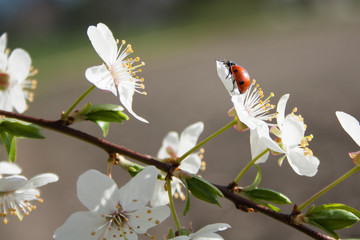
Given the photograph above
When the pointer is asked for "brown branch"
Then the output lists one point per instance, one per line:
(239, 201)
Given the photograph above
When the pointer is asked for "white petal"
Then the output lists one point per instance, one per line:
(214, 228)
(103, 42)
(139, 190)
(302, 165)
(5, 102)
(181, 238)
(17, 98)
(241, 112)
(260, 140)
(208, 236)
(171, 140)
(9, 168)
(160, 196)
(97, 191)
(12, 183)
(191, 164)
(3, 40)
(41, 180)
(27, 194)
(189, 137)
(126, 93)
(79, 226)
(350, 125)
(292, 131)
(145, 218)
(101, 78)
(19, 65)
(281, 109)
(225, 77)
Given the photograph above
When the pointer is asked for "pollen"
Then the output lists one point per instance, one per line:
(148, 211)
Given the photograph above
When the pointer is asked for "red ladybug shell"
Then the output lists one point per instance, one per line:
(241, 77)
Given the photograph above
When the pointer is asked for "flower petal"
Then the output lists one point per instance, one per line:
(293, 131)
(101, 78)
(97, 191)
(19, 64)
(3, 40)
(139, 190)
(103, 42)
(5, 102)
(181, 238)
(9, 168)
(213, 228)
(225, 77)
(160, 196)
(350, 125)
(80, 226)
(302, 165)
(126, 93)
(145, 218)
(171, 140)
(12, 183)
(208, 236)
(189, 137)
(281, 109)
(191, 164)
(41, 180)
(242, 113)
(27, 194)
(17, 98)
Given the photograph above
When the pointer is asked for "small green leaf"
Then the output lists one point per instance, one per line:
(171, 234)
(104, 127)
(331, 232)
(333, 216)
(20, 128)
(268, 205)
(10, 144)
(257, 180)
(267, 195)
(187, 203)
(106, 113)
(184, 232)
(203, 190)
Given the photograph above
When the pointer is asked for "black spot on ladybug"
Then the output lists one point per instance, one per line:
(241, 83)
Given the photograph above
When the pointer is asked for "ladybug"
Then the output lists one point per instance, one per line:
(240, 76)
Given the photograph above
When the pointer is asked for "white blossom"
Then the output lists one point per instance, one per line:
(206, 233)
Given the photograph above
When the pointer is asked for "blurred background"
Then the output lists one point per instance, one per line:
(309, 49)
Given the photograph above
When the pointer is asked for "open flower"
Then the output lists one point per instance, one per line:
(172, 147)
(294, 143)
(252, 111)
(113, 213)
(15, 85)
(352, 127)
(16, 192)
(206, 233)
(117, 74)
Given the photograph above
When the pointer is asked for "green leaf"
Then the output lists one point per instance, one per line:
(268, 205)
(203, 190)
(331, 232)
(20, 128)
(171, 234)
(104, 127)
(334, 216)
(106, 113)
(267, 195)
(187, 203)
(10, 144)
(257, 180)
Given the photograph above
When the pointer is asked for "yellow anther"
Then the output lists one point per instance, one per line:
(142, 86)
(137, 59)
(141, 79)
(295, 109)
(5, 221)
(144, 93)
(123, 42)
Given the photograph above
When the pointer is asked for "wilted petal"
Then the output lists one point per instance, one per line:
(350, 125)
(139, 190)
(97, 191)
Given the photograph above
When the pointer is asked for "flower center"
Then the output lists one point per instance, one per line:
(256, 106)
(4, 81)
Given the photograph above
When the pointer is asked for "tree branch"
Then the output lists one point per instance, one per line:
(239, 201)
